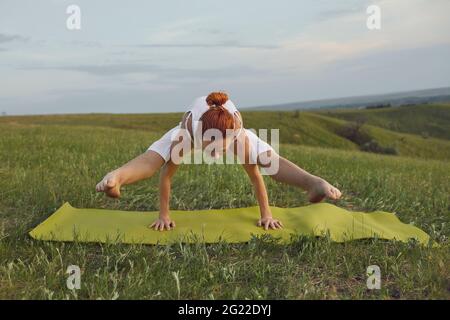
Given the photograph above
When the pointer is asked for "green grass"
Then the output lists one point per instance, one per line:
(427, 120)
(400, 129)
(46, 161)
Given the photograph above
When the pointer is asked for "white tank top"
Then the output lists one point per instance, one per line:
(199, 106)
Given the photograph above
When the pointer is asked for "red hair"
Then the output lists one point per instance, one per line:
(217, 117)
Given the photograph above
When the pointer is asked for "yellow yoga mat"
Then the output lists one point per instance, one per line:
(230, 225)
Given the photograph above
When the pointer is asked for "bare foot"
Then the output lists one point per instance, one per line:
(321, 189)
(109, 185)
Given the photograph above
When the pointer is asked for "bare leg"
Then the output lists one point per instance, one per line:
(142, 167)
(291, 174)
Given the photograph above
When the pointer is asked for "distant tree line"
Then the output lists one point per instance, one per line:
(379, 106)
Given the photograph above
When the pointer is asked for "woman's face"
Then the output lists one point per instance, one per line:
(217, 148)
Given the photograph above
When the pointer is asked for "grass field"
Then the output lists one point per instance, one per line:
(48, 160)
(424, 120)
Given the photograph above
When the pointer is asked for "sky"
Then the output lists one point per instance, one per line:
(157, 56)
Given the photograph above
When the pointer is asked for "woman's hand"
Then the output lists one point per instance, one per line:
(163, 223)
(270, 223)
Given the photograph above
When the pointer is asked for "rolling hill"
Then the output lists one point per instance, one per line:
(436, 95)
(417, 131)
(424, 120)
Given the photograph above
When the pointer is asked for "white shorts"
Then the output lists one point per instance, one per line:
(257, 145)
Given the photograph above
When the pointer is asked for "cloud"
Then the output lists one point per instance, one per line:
(343, 36)
(224, 44)
(155, 71)
(342, 9)
(88, 44)
(200, 35)
(405, 24)
(52, 85)
(49, 84)
(319, 51)
(12, 37)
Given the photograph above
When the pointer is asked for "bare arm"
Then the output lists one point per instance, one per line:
(167, 172)
(165, 180)
(259, 186)
(260, 189)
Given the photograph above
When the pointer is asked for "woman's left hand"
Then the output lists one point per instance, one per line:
(270, 223)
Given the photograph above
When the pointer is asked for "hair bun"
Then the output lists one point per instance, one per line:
(216, 99)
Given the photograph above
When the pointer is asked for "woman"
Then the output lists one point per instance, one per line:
(218, 114)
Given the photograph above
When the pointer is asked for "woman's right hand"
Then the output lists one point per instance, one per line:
(163, 223)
